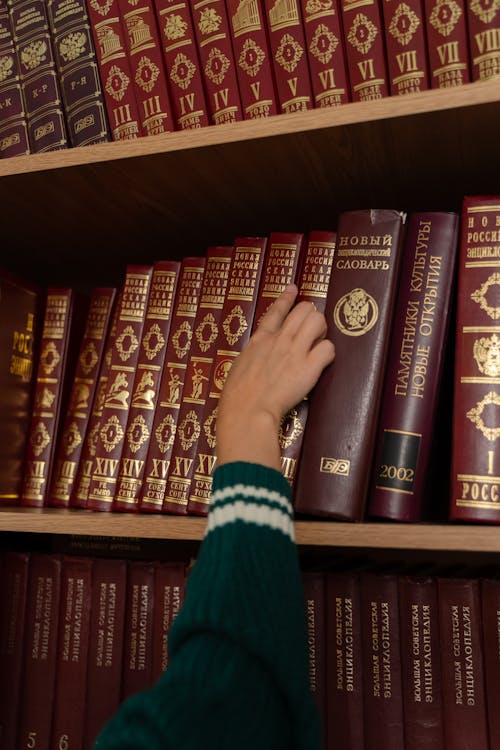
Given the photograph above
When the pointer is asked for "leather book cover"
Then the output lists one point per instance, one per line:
(420, 662)
(237, 317)
(40, 651)
(197, 380)
(146, 62)
(447, 43)
(213, 37)
(114, 69)
(406, 46)
(315, 613)
(107, 614)
(252, 55)
(313, 281)
(21, 312)
(13, 590)
(462, 667)
(288, 46)
(170, 580)
(171, 388)
(365, 49)
(124, 360)
(180, 52)
(334, 469)
(68, 716)
(83, 388)
(13, 124)
(37, 71)
(490, 611)
(414, 370)
(146, 384)
(138, 633)
(78, 72)
(475, 470)
(483, 25)
(326, 52)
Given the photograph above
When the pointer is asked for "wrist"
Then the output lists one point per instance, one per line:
(253, 439)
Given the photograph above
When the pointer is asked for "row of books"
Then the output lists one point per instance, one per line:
(96, 71)
(124, 415)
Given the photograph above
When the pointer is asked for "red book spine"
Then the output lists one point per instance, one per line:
(237, 318)
(217, 61)
(146, 63)
(42, 96)
(124, 360)
(253, 59)
(197, 380)
(484, 39)
(406, 46)
(288, 47)
(447, 43)
(13, 125)
(326, 53)
(490, 610)
(114, 69)
(463, 690)
(365, 49)
(82, 395)
(40, 652)
(138, 635)
(414, 367)
(315, 610)
(146, 384)
(180, 53)
(475, 476)
(71, 663)
(170, 579)
(107, 614)
(169, 400)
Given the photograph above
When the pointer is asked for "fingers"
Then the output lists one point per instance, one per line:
(306, 325)
(273, 319)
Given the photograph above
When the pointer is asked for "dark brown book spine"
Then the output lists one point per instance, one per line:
(37, 70)
(170, 579)
(13, 123)
(490, 610)
(124, 360)
(365, 49)
(315, 610)
(85, 381)
(475, 475)
(146, 384)
(447, 43)
(483, 24)
(71, 662)
(138, 635)
(406, 46)
(334, 469)
(462, 669)
(152, 490)
(414, 367)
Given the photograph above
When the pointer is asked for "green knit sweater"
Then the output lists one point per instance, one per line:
(238, 672)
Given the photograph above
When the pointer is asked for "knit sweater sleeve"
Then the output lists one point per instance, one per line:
(238, 673)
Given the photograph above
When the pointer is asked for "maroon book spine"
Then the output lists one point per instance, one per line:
(170, 579)
(13, 123)
(213, 38)
(414, 367)
(406, 46)
(447, 43)
(483, 25)
(462, 668)
(152, 490)
(490, 610)
(326, 52)
(315, 611)
(365, 49)
(107, 608)
(138, 634)
(334, 469)
(475, 476)
(180, 52)
(37, 70)
(71, 662)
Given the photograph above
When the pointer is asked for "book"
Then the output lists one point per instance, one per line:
(447, 43)
(138, 632)
(483, 27)
(13, 124)
(170, 579)
(413, 377)
(38, 75)
(333, 473)
(154, 480)
(315, 610)
(365, 49)
(475, 464)
(490, 616)
(406, 46)
(144, 394)
(83, 389)
(20, 316)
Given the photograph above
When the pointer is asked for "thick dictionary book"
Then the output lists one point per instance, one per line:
(405, 41)
(335, 464)
(365, 49)
(475, 471)
(13, 123)
(414, 367)
(447, 43)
